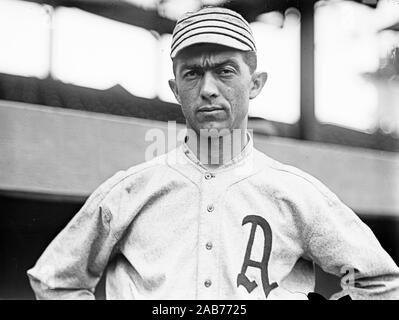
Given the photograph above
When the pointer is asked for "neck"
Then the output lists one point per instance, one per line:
(216, 151)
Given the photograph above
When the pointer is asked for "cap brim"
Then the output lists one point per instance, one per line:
(218, 39)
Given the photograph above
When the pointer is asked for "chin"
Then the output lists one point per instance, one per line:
(214, 129)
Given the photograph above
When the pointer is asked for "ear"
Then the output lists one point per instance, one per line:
(173, 87)
(257, 82)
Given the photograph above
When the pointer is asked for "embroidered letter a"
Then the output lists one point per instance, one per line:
(242, 279)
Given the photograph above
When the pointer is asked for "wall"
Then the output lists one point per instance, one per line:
(67, 153)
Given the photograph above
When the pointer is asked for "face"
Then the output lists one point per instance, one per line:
(213, 84)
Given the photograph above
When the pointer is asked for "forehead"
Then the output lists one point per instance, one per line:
(208, 55)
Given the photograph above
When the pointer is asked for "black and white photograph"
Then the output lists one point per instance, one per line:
(199, 150)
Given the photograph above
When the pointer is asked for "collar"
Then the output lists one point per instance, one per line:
(241, 157)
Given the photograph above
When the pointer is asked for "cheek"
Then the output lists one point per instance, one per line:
(187, 102)
(188, 94)
(238, 97)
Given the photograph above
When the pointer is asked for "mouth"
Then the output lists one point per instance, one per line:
(210, 108)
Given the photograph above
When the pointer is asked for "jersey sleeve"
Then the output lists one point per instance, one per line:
(341, 244)
(72, 264)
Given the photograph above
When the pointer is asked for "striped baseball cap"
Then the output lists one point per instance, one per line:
(212, 25)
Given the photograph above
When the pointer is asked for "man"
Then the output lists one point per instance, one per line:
(233, 224)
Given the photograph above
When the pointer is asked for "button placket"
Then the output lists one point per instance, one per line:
(207, 264)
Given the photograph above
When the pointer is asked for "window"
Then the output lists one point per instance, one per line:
(278, 42)
(96, 52)
(352, 89)
(24, 38)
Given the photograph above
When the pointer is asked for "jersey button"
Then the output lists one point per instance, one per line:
(210, 208)
(208, 176)
(209, 246)
(208, 283)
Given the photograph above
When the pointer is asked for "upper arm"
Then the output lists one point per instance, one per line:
(76, 258)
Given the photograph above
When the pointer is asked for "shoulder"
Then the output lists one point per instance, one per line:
(135, 177)
(293, 180)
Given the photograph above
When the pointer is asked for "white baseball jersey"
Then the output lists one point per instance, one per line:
(251, 229)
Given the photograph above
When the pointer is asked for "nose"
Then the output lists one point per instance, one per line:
(209, 89)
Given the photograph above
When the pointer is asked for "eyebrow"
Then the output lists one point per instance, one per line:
(207, 66)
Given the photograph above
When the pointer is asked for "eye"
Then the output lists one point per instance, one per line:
(191, 74)
(226, 71)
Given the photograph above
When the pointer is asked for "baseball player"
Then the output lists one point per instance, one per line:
(233, 224)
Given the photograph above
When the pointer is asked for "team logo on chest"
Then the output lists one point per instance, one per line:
(242, 279)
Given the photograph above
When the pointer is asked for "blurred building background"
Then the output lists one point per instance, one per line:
(82, 81)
